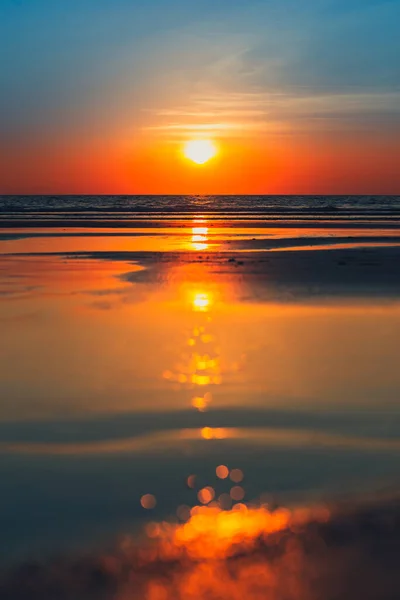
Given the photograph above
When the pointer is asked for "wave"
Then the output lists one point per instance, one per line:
(168, 205)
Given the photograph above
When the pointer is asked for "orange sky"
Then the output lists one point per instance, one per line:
(255, 166)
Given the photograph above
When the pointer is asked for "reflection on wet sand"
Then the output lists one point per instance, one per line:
(254, 553)
(171, 359)
(200, 367)
(174, 438)
(109, 328)
(200, 236)
(200, 364)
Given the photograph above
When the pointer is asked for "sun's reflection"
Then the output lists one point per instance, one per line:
(200, 366)
(201, 402)
(199, 239)
(214, 433)
(203, 231)
(205, 359)
(201, 301)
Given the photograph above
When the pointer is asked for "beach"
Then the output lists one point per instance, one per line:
(199, 300)
(141, 350)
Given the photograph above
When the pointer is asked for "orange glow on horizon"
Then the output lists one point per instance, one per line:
(301, 164)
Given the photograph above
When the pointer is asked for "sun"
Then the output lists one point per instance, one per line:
(200, 151)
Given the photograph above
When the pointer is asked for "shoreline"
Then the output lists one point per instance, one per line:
(301, 273)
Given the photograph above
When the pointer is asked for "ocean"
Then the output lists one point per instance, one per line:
(234, 205)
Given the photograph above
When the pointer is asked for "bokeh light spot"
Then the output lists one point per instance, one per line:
(207, 433)
(191, 482)
(236, 475)
(240, 507)
(222, 471)
(237, 493)
(199, 403)
(148, 501)
(206, 495)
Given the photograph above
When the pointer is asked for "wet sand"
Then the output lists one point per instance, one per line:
(340, 256)
(100, 326)
(303, 271)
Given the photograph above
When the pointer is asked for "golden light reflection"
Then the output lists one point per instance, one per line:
(200, 363)
(242, 553)
(214, 433)
(199, 367)
(201, 301)
(200, 402)
(199, 238)
(212, 533)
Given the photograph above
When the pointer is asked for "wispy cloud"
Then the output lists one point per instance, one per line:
(320, 67)
(225, 114)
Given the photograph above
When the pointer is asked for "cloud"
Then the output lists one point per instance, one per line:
(322, 67)
(237, 114)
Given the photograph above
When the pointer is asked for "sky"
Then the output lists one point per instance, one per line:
(299, 96)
